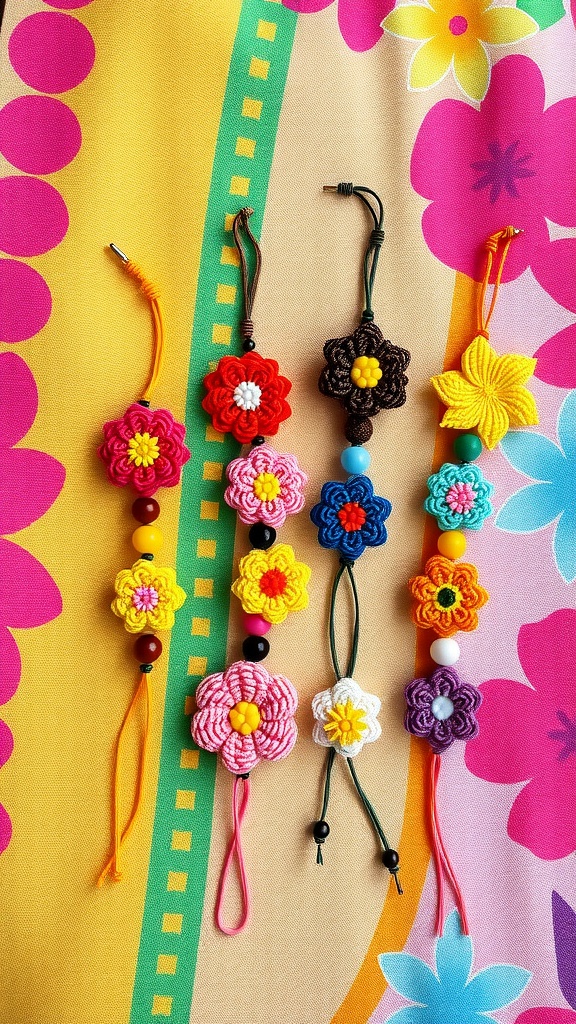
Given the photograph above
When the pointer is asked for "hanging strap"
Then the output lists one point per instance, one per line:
(143, 690)
(502, 238)
(152, 293)
(249, 285)
(346, 566)
(442, 862)
(239, 807)
(376, 240)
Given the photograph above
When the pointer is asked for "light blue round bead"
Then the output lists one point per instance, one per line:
(355, 459)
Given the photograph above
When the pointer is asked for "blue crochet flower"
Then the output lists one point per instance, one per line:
(459, 497)
(553, 496)
(450, 995)
(350, 517)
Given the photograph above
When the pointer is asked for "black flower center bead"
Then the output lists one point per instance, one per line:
(446, 597)
(365, 373)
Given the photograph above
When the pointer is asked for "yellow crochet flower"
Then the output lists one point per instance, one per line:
(489, 393)
(455, 33)
(147, 596)
(272, 583)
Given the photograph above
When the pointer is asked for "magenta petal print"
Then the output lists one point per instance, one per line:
(359, 21)
(556, 272)
(510, 162)
(536, 725)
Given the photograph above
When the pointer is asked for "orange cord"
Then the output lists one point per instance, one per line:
(153, 295)
(504, 237)
(113, 864)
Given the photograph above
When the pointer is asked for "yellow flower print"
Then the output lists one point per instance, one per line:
(454, 33)
(147, 596)
(489, 393)
(272, 583)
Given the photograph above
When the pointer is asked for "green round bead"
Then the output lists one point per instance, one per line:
(468, 447)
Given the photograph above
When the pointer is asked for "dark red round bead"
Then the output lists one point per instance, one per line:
(147, 648)
(145, 510)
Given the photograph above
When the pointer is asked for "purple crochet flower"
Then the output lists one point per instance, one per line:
(442, 709)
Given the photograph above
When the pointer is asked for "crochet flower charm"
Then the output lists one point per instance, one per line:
(147, 596)
(459, 497)
(489, 393)
(272, 583)
(246, 715)
(246, 396)
(364, 372)
(265, 486)
(350, 517)
(144, 448)
(442, 709)
(345, 718)
(446, 599)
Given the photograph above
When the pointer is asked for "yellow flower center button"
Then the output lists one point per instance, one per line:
(143, 449)
(245, 717)
(266, 486)
(365, 372)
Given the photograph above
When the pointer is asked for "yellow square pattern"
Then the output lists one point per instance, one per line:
(245, 147)
(181, 840)
(189, 705)
(266, 30)
(228, 221)
(213, 435)
(206, 549)
(200, 627)
(172, 923)
(259, 68)
(221, 333)
(239, 186)
(212, 471)
(162, 1006)
(203, 588)
(166, 964)
(197, 666)
(209, 509)
(229, 255)
(226, 294)
(189, 758)
(251, 108)
(177, 882)
(185, 799)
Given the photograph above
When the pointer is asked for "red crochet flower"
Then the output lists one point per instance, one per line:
(144, 448)
(246, 396)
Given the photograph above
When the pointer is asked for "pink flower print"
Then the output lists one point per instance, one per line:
(145, 598)
(246, 715)
(460, 497)
(144, 448)
(359, 21)
(528, 735)
(265, 486)
(510, 162)
(557, 275)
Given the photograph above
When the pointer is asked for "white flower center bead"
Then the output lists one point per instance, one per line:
(442, 708)
(247, 395)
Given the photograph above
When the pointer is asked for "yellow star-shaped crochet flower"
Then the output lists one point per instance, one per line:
(489, 393)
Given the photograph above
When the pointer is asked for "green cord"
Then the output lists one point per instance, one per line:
(373, 818)
(344, 567)
(329, 765)
(375, 243)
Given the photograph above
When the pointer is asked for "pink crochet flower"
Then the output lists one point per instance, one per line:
(528, 735)
(557, 356)
(511, 162)
(359, 21)
(246, 715)
(144, 448)
(265, 486)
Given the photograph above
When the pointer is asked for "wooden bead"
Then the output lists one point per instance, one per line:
(145, 510)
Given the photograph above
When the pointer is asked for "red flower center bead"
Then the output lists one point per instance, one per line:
(352, 516)
(273, 583)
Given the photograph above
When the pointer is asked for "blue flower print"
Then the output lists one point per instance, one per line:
(350, 517)
(553, 495)
(459, 497)
(451, 995)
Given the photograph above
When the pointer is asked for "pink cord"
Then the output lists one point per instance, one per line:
(441, 858)
(235, 847)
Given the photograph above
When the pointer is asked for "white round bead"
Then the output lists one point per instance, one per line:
(442, 708)
(445, 651)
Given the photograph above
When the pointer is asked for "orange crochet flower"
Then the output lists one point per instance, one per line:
(446, 598)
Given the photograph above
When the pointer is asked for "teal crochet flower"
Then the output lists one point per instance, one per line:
(459, 497)
(552, 497)
(451, 996)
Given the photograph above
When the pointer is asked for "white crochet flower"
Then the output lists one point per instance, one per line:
(346, 718)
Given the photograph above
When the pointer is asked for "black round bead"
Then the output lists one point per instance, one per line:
(262, 536)
(258, 439)
(148, 557)
(255, 648)
(321, 831)
(390, 859)
(248, 345)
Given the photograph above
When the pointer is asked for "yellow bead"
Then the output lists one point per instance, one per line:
(452, 544)
(148, 540)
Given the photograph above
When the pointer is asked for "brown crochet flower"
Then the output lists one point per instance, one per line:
(365, 372)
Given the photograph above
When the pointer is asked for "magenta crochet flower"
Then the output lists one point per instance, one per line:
(442, 709)
(528, 735)
(359, 21)
(265, 486)
(246, 715)
(145, 448)
(511, 162)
